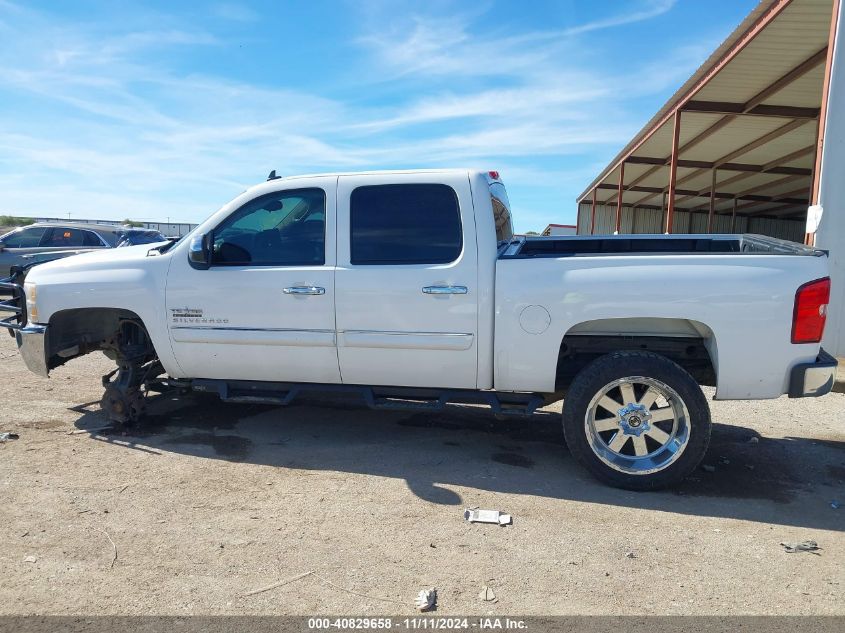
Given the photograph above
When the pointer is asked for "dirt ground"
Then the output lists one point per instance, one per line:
(210, 501)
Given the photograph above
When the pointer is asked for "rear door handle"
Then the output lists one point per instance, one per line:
(304, 290)
(444, 290)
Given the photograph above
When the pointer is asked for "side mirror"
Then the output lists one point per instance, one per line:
(199, 251)
(2, 247)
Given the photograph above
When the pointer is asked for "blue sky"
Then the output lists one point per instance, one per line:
(150, 110)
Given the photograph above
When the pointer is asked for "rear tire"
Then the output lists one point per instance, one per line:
(636, 420)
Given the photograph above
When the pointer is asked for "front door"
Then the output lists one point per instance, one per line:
(407, 301)
(264, 310)
(15, 245)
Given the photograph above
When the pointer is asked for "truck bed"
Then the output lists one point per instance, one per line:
(702, 244)
(735, 292)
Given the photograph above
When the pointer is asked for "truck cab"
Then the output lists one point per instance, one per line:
(360, 279)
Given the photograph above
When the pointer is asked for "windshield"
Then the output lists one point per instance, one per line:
(134, 238)
(171, 242)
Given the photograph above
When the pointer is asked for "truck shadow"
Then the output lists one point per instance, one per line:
(789, 481)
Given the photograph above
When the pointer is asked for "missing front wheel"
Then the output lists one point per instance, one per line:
(123, 407)
(124, 400)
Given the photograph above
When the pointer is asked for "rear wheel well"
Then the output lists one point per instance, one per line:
(578, 350)
(77, 332)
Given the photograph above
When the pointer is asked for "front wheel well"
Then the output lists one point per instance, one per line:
(77, 332)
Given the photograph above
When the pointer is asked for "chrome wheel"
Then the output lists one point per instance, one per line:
(637, 425)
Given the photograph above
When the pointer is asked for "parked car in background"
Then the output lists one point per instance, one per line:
(45, 241)
(135, 237)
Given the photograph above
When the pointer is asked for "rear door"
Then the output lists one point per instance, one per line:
(63, 241)
(406, 281)
(70, 238)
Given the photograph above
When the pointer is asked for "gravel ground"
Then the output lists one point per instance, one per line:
(208, 502)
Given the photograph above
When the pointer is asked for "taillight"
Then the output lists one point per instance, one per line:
(494, 175)
(810, 313)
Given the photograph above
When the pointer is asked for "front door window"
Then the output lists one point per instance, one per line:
(25, 238)
(286, 228)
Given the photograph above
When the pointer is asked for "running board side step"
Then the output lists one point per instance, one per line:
(283, 393)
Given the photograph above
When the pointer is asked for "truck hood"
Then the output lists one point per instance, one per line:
(105, 259)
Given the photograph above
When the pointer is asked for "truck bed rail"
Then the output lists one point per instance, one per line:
(696, 244)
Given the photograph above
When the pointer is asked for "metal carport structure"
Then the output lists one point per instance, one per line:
(737, 147)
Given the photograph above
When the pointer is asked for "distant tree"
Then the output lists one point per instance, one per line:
(11, 220)
(132, 223)
(532, 233)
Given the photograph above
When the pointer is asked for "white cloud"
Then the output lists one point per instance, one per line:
(652, 9)
(560, 97)
(231, 11)
(446, 46)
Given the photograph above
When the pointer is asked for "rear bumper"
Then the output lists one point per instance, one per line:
(32, 344)
(809, 380)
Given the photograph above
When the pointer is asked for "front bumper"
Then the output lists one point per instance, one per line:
(810, 380)
(32, 344)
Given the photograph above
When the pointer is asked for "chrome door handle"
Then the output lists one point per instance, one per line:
(444, 290)
(304, 290)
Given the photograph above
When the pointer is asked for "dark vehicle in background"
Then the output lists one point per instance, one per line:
(135, 237)
(45, 241)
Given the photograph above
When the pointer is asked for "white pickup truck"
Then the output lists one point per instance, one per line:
(410, 288)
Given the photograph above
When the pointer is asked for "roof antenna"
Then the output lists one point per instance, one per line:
(273, 176)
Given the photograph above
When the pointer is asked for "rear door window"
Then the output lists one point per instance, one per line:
(89, 238)
(63, 237)
(405, 224)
